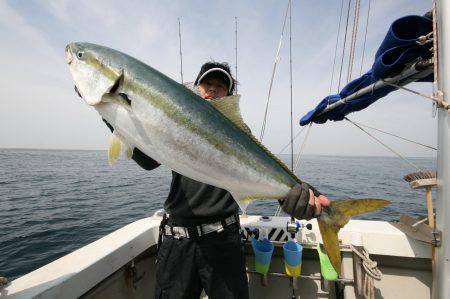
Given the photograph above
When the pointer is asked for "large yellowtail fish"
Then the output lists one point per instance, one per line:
(205, 141)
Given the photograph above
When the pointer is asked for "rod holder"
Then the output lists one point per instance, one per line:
(295, 283)
(264, 280)
(292, 258)
(263, 251)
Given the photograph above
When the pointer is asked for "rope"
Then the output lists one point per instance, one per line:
(365, 38)
(278, 211)
(290, 80)
(435, 49)
(351, 57)
(289, 143)
(438, 101)
(302, 147)
(371, 272)
(297, 162)
(345, 41)
(277, 58)
(400, 137)
(336, 46)
(385, 145)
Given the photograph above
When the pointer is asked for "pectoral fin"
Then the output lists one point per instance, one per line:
(115, 148)
(129, 152)
(117, 98)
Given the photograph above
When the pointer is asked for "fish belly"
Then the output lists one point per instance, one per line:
(180, 149)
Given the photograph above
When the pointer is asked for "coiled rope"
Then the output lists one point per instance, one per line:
(371, 272)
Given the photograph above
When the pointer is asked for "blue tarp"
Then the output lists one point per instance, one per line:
(398, 48)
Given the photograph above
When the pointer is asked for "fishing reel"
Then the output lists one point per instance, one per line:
(294, 226)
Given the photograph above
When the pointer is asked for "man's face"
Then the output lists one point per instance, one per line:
(212, 88)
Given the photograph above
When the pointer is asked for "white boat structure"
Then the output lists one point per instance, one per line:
(122, 264)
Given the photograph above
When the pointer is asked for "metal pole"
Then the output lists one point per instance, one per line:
(442, 10)
(290, 78)
(409, 75)
(181, 53)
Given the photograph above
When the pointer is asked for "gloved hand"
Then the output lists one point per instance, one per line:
(304, 202)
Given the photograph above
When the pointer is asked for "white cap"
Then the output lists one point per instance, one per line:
(217, 69)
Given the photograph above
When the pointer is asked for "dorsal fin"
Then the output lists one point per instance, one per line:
(229, 106)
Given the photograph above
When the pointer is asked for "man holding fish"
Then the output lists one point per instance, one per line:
(218, 166)
(210, 258)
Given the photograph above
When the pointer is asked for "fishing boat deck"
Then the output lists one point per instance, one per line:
(122, 264)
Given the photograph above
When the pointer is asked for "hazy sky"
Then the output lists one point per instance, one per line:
(39, 108)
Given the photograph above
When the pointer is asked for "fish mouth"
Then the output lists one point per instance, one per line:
(68, 54)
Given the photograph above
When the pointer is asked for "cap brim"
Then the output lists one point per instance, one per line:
(216, 69)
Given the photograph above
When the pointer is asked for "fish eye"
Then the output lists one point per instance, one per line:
(80, 54)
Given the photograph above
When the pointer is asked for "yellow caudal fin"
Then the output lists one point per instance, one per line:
(352, 207)
(115, 148)
(331, 243)
(334, 217)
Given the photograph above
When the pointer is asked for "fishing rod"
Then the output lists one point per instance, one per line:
(181, 53)
(235, 53)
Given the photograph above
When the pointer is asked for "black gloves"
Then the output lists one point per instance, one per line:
(297, 204)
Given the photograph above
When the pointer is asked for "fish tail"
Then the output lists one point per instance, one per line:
(331, 242)
(345, 210)
(352, 207)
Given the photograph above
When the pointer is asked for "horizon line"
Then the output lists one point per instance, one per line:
(99, 150)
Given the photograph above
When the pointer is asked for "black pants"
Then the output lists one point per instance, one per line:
(214, 262)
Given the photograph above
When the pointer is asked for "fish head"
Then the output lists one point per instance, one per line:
(94, 70)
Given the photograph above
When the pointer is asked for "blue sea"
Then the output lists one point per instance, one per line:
(53, 202)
